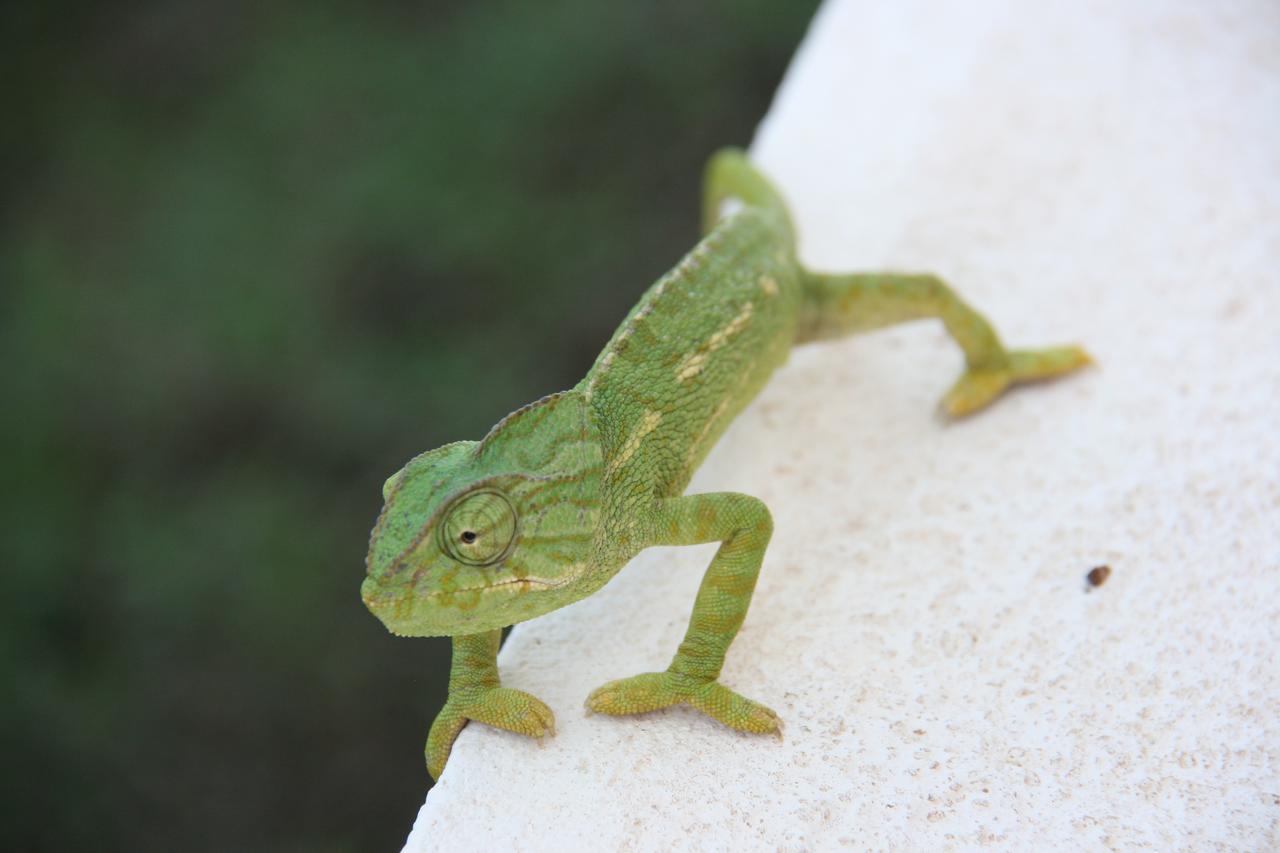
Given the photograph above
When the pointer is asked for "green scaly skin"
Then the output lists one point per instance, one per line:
(561, 494)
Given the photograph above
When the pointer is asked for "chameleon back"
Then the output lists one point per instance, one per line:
(698, 347)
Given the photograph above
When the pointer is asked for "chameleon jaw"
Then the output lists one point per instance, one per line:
(406, 616)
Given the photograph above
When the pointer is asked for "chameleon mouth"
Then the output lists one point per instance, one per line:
(387, 604)
(521, 583)
(400, 614)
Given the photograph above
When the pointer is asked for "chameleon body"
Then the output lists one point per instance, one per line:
(561, 494)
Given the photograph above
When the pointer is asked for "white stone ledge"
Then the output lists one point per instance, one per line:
(1091, 171)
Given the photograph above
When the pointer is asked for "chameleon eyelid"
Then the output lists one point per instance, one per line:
(451, 541)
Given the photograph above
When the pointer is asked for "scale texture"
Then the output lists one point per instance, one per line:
(922, 620)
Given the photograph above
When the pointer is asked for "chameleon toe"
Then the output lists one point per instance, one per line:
(636, 695)
(975, 390)
(514, 711)
(736, 711)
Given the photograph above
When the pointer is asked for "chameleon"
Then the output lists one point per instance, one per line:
(561, 494)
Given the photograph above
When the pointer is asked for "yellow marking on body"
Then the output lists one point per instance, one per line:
(693, 363)
(706, 428)
(768, 285)
(647, 425)
(691, 366)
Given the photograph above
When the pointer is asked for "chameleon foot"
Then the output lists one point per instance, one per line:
(500, 707)
(654, 690)
(977, 389)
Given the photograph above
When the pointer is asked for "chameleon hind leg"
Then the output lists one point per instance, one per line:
(475, 694)
(838, 305)
(742, 525)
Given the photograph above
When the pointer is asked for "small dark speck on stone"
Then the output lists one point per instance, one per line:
(1098, 575)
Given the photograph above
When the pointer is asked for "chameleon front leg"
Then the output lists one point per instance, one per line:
(475, 694)
(837, 305)
(742, 525)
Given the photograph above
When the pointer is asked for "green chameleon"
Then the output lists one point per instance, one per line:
(561, 494)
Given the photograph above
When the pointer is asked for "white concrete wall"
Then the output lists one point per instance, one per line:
(1099, 172)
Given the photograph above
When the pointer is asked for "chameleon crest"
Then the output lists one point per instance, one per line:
(478, 535)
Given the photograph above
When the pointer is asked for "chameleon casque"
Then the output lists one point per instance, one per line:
(561, 494)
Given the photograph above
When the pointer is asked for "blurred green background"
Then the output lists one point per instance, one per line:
(252, 258)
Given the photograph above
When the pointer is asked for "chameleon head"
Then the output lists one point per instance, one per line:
(475, 536)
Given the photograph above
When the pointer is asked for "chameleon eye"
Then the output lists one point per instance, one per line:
(479, 529)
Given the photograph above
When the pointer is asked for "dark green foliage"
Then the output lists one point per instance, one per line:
(253, 257)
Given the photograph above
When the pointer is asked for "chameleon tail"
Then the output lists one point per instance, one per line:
(730, 175)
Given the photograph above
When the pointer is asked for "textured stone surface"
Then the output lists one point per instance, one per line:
(1080, 171)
